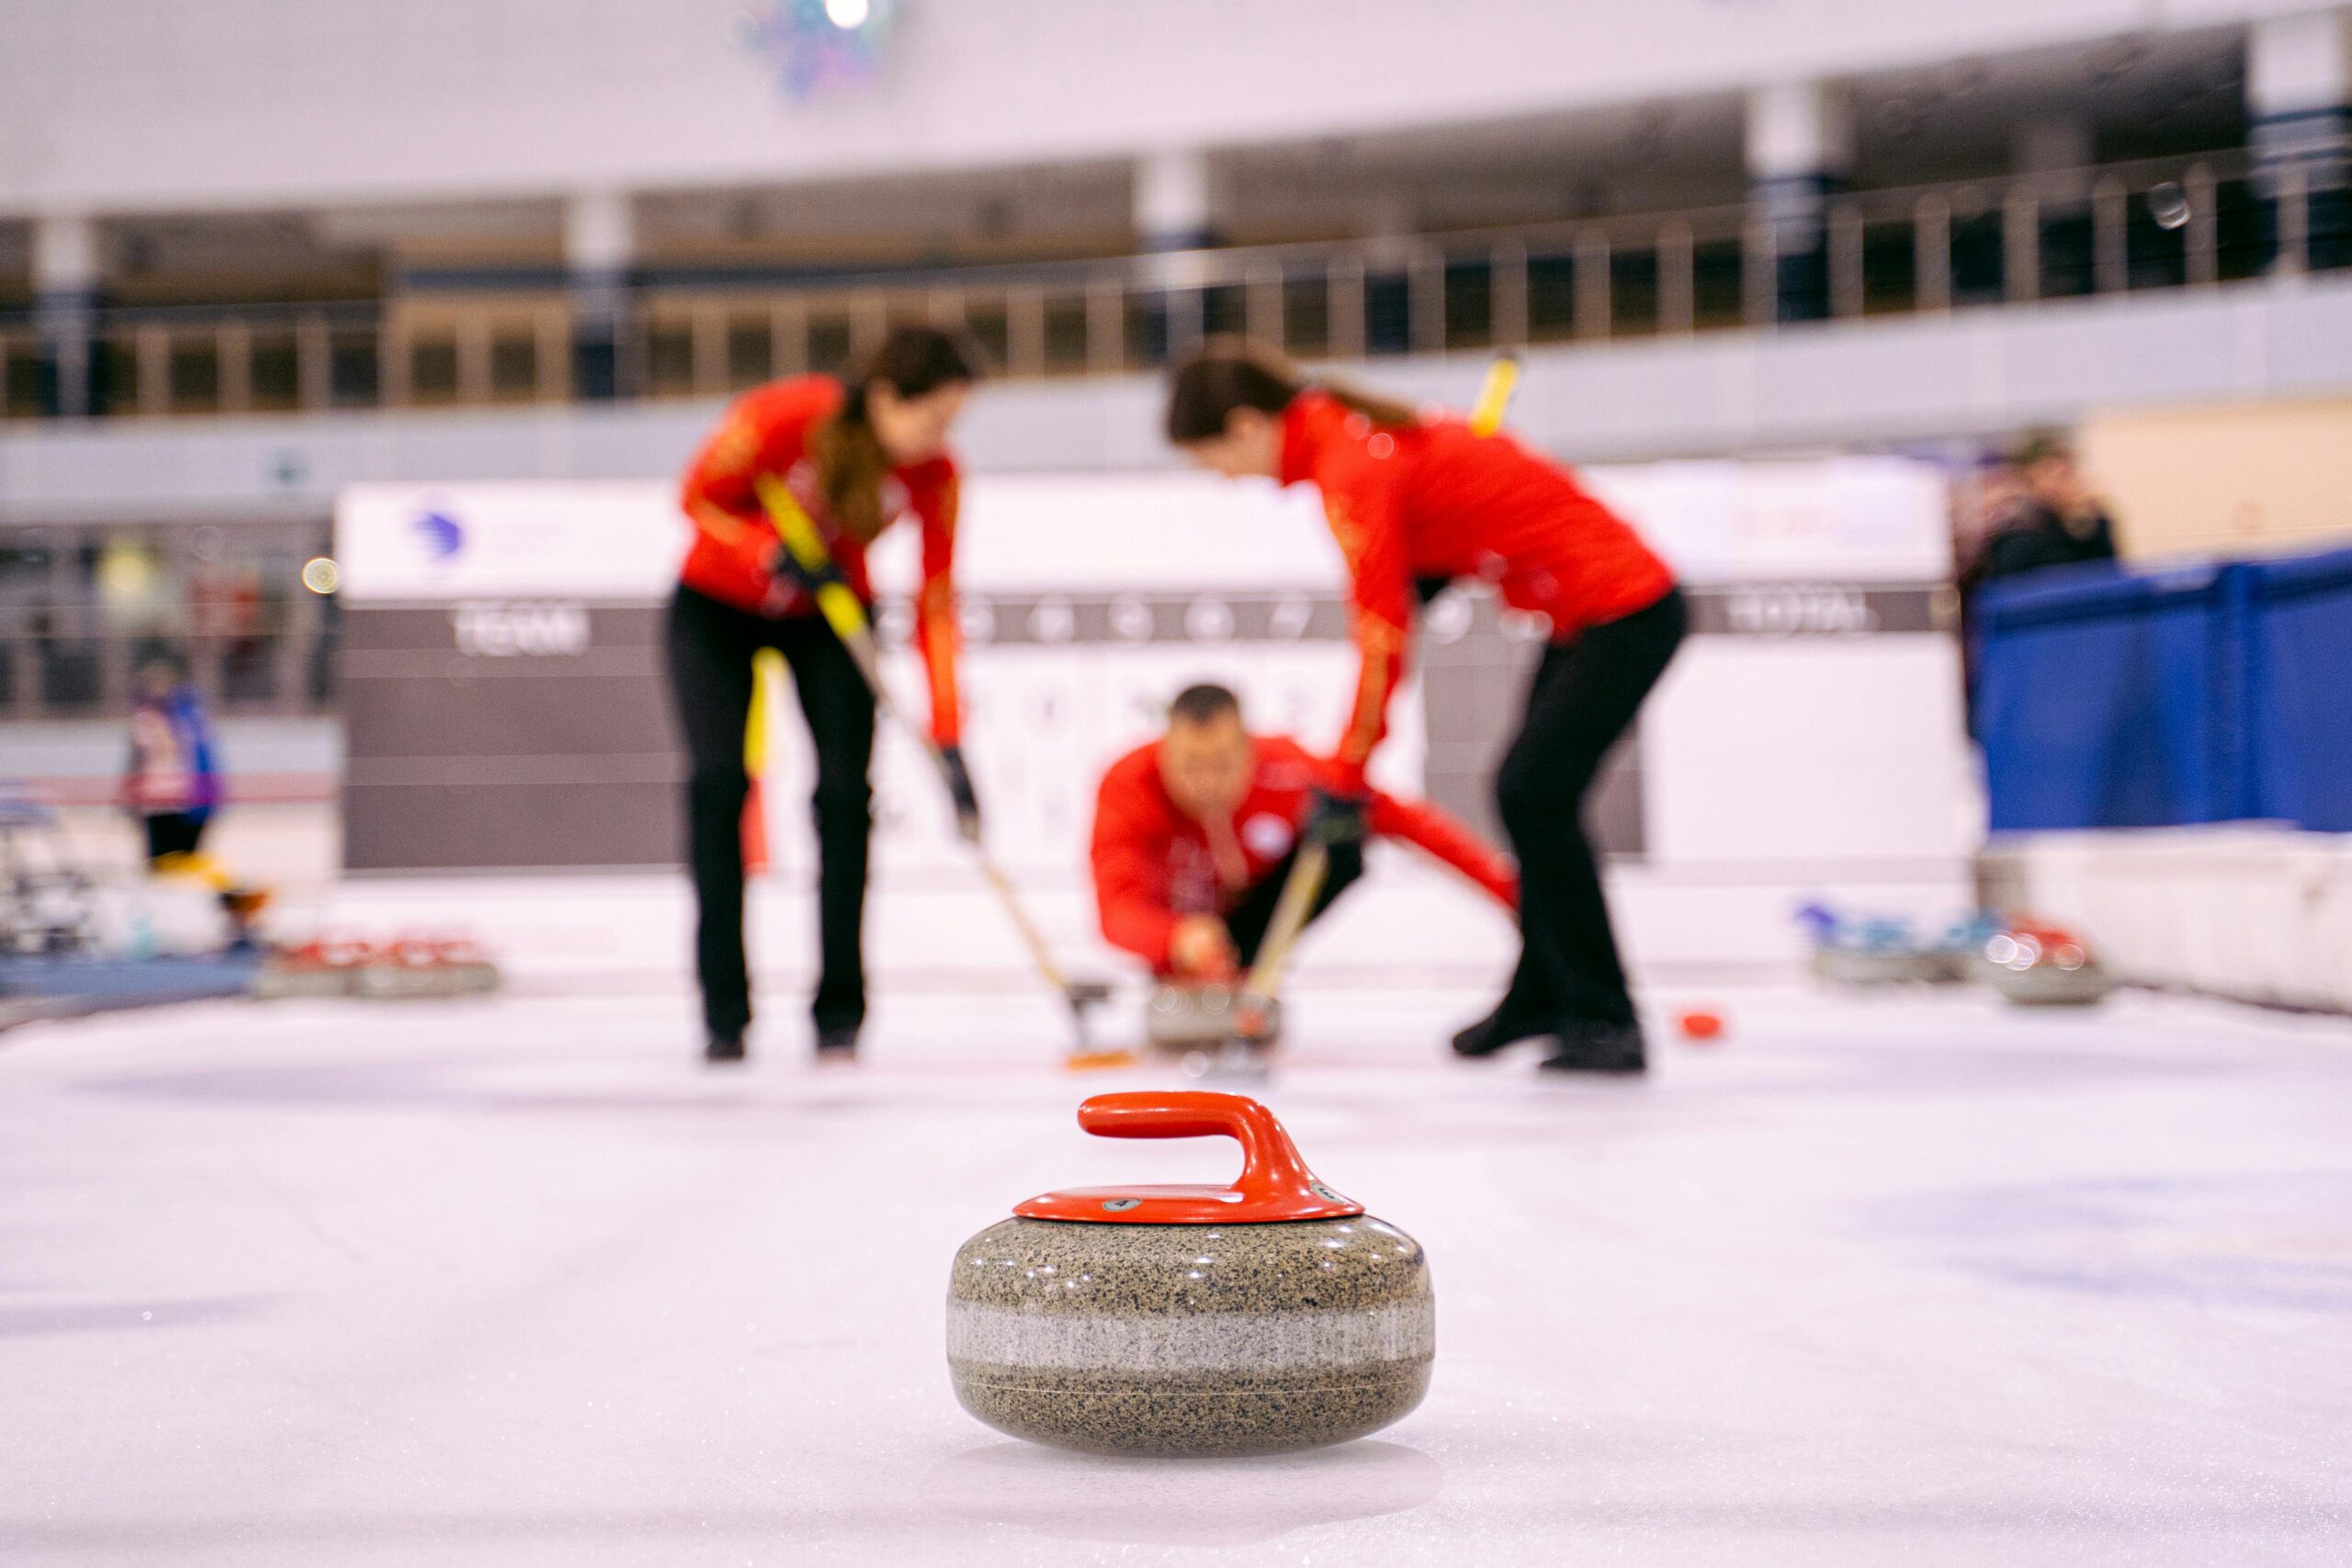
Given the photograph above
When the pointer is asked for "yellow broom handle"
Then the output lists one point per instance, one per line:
(835, 601)
(1291, 912)
(847, 618)
(1494, 395)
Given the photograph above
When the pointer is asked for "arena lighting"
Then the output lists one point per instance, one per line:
(817, 47)
(321, 575)
(2169, 204)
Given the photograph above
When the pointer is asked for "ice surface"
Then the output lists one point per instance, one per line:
(1913, 1281)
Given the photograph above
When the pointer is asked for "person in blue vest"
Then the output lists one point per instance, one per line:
(172, 781)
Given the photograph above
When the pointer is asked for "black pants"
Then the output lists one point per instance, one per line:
(175, 833)
(1249, 919)
(1583, 696)
(710, 646)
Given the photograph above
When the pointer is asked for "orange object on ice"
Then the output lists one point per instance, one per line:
(1701, 1024)
(755, 829)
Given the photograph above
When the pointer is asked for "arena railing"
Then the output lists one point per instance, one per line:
(68, 667)
(2155, 224)
(84, 605)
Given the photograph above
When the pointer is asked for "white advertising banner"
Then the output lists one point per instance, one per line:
(428, 544)
(623, 540)
(1840, 519)
(1833, 519)
(506, 634)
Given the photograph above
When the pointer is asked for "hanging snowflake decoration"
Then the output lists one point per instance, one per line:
(818, 46)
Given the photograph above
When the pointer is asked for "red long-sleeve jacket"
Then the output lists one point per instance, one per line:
(1437, 500)
(766, 430)
(1154, 864)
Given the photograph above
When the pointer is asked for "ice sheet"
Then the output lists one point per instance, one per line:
(1913, 1281)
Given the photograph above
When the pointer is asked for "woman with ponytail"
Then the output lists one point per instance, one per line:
(1417, 500)
(859, 454)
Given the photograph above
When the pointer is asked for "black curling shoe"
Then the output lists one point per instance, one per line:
(1598, 1048)
(837, 1045)
(1506, 1025)
(724, 1050)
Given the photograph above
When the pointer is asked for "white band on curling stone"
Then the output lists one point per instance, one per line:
(1205, 1342)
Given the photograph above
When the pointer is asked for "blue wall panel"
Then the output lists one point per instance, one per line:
(2111, 699)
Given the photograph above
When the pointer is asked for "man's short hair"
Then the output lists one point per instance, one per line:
(2040, 445)
(1204, 704)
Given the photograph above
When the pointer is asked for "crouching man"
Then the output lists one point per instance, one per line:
(1195, 832)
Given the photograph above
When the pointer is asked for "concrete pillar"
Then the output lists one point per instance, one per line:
(66, 277)
(1388, 218)
(1800, 155)
(2299, 116)
(1176, 201)
(2046, 240)
(2055, 144)
(599, 249)
(1177, 207)
(2052, 143)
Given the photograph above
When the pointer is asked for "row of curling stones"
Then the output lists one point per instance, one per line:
(1210, 1029)
(408, 967)
(1267, 1316)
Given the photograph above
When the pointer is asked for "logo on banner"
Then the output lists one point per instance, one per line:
(441, 534)
(1800, 610)
(498, 628)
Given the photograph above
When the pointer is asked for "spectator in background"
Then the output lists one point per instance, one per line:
(170, 782)
(2055, 519)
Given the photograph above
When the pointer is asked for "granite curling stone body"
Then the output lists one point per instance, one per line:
(1271, 1316)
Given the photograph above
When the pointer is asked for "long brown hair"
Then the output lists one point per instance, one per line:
(1228, 373)
(913, 361)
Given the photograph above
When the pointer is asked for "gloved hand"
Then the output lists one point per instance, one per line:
(1334, 819)
(1201, 948)
(959, 789)
(785, 569)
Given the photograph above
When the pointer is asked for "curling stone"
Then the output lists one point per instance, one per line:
(318, 968)
(1871, 951)
(1271, 1316)
(1181, 1018)
(2038, 965)
(417, 967)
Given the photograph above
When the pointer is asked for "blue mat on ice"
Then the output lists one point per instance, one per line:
(61, 987)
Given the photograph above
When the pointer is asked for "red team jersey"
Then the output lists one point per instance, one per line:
(766, 430)
(1154, 864)
(1437, 500)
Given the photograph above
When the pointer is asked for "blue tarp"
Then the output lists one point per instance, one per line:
(2113, 699)
(2299, 724)
(101, 985)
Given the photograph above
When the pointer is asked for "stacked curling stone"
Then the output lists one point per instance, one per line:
(2035, 964)
(415, 967)
(1271, 1316)
(1193, 1018)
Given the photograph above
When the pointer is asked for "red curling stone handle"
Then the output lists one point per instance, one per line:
(1274, 1184)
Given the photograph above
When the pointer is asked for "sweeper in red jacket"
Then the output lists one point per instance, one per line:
(1194, 834)
(859, 455)
(1415, 502)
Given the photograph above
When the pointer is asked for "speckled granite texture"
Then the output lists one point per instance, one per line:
(1190, 1339)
